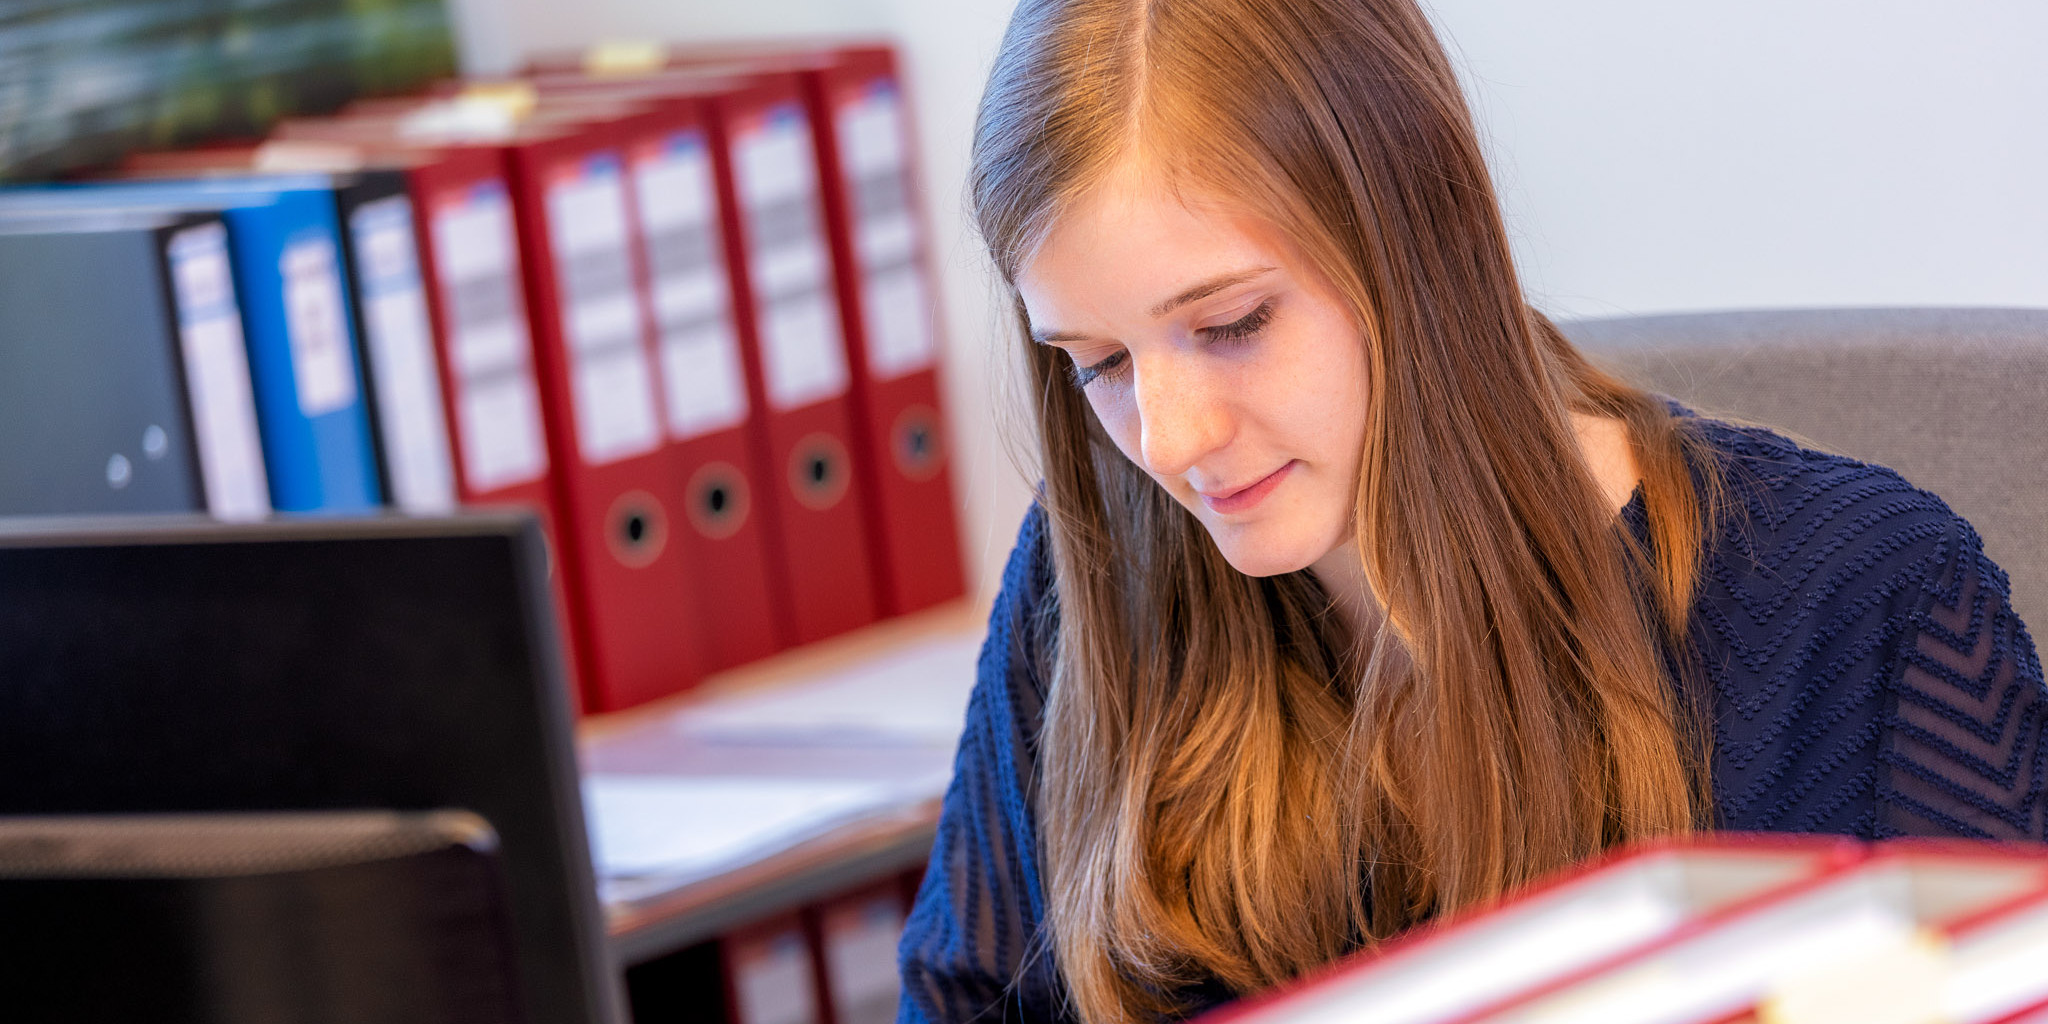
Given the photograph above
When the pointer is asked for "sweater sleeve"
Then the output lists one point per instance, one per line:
(1965, 755)
(972, 949)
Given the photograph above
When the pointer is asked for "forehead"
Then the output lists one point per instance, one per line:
(1130, 242)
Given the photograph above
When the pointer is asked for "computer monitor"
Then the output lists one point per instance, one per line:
(315, 664)
(283, 917)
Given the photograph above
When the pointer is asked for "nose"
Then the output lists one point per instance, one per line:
(1182, 414)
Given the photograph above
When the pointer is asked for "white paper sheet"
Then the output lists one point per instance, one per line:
(917, 695)
(681, 827)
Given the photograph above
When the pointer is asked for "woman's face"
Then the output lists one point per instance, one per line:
(1217, 358)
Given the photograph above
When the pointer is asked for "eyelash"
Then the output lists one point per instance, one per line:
(1243, 327)
(1237, 330)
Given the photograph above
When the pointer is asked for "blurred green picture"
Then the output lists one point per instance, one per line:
(83, 82)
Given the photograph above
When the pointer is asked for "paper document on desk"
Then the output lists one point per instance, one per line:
(916, 695)
(680, 827)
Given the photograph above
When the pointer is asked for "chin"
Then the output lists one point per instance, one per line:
(1264, 552)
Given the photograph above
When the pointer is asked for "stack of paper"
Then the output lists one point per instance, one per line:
(720, 784)
(675, 829)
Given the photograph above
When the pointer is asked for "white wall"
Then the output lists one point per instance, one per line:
(1652, 156)
(1664, 156)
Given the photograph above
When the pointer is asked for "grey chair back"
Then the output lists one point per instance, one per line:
(1955, 400)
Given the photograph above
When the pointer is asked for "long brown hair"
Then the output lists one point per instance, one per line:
(1226, 791)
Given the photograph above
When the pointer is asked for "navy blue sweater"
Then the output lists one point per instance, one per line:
(1867, 678)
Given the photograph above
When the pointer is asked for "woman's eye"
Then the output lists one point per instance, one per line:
(1106, 369)
(1243, 327)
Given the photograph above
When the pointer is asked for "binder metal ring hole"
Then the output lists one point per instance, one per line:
(819, 472)
(717, 500)
(916, 444)
(636, 529)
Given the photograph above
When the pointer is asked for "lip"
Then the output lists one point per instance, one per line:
(1245, 498)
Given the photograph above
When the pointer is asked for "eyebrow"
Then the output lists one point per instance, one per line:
(1193, 294)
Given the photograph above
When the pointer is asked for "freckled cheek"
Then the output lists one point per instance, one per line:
(1333, 371)
(1309, 394)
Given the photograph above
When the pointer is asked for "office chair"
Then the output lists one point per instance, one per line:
(1955, 400)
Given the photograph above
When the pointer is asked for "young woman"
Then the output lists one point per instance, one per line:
(1353, 595)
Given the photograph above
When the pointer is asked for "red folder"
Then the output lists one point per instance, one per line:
(882, 275)
(615, 481)
(1983, 967)
(1802, 948)
(798, 371)
(474, 277)
(1563, 928)
(714, 424)
(1999, 965)
(769, 974)
(619, 479)
(476, 294)
(476, 297)
(882, 263)
(854, 948)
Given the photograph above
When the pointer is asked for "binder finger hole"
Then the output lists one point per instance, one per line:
(636, 530)
(718, 500)
(819, 473)
(915, 442)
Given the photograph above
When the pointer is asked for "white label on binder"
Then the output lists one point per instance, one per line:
(497, 405)
(401, 345)
(217, 375)
(876, 165)
(474, 237)
(896, 308)
(871, 136)
(199, 269)
(704, 385)
(675, 185)
(794, 267)
(614, 407)
(773, 158)
(860, 959)
(883, 241)
(802, 353)
(687, 300)
(772, 981)
(899, 321)
(482, 347)
(611, 380)
(322, 365)
(803, 327)
(601, 323)
(500, 432)
(706, 388)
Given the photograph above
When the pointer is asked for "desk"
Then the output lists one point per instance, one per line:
(861, 729)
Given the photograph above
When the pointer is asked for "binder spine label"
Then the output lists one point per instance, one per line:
(217, 382)
(703, 382)
(772, 981)
(401, 344)
(497, 403)
(803, 357)
(896, 307)
(322, 365)
(860, 959)
(610, 377)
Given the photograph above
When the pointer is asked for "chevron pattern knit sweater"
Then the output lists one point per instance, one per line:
(1867, 678)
